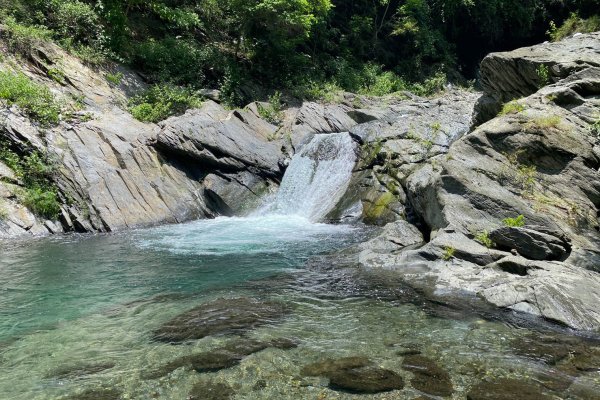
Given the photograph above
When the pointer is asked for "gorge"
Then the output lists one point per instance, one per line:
(372, 247)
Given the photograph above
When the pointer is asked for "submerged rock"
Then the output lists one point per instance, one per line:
(355, 375)
(96, 394)
(213, 361)
(507, 389)
(211, 391)
(369, 379)
(222, 316)
(227, 356)
(428, 377)
(72, 372)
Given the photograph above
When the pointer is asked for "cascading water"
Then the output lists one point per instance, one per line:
(317, 177)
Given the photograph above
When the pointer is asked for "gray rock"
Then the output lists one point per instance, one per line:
(514, 74)
(530, 243)
(215, 138)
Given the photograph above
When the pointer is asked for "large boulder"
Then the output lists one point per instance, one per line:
(515, 74)
(216, 138)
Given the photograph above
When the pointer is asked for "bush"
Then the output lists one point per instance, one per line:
(449, 252)
(517, 222)
(34, 99)
(272, 112)
(573, 25)
(512, 107)
(483, 237)
(43, 201)
(177, 61)
(161, 102)
(114, 79)
(22, 38)
(35, 170)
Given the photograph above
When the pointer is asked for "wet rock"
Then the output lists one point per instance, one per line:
(548, 349)
(322, 368)
(96, 394)
(222, 316)
(227, 356)
(215, 361)
(211, 391)
(369, 379)
(71, 372)
(355, 375)
(507, 389)
(530, 243)
(428, 377)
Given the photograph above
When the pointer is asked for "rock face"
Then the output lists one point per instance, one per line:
(516, 74)
(540, 160)
(113, 172)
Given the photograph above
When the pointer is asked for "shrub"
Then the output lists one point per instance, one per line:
(517, 222)
(551, 121)
(114, 79)
(3, 210)
(42, 200)
(272, 112)
(543, 73)
(595, 128)
(34, 99)
(512, 107)
(56, 75)
(449, 252)
(161, 102)
(21, 38)
(573, 25)
(178, 61)
(35, 170)
(483, 237)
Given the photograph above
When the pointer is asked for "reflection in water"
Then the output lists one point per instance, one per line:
(79, 315)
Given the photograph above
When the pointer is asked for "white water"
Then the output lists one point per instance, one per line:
(236, 235)
(317, 178)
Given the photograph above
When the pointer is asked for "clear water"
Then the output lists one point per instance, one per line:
(72, 301)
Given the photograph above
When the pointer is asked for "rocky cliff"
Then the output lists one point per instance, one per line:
(510, 213)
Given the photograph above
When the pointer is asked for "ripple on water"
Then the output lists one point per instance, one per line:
(107, 297)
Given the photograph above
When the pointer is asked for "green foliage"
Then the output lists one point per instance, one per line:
(114, 79)
(572, 25)
(56, 75)
(35, 170)
(272, 111)
(512, 107)
(20, 38)
(595, 128)
(449, 252)
(517, 222)
(161, 102)
(42, 201)
(543, 73)
(3, 210)
(34, 99)
(483, 237)
(550, 121)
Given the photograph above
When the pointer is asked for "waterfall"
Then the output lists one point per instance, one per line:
(317, 177)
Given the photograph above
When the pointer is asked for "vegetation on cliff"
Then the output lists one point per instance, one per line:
(314, 47)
